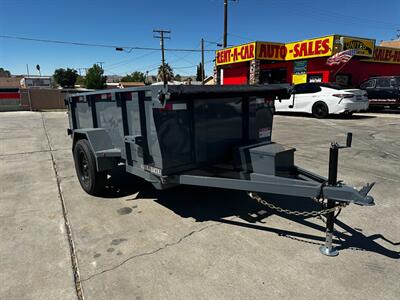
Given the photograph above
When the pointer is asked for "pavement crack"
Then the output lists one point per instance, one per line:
(74, 258)
(167, 245)
(33, 152)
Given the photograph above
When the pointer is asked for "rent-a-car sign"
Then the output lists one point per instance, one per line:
(237, 54)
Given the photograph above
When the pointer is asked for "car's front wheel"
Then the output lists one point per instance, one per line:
(320, 110)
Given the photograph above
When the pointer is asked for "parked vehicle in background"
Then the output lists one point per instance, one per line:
(383, 91)
(320, 100)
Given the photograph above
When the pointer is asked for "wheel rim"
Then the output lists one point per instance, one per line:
(83, 167)
(320, 110)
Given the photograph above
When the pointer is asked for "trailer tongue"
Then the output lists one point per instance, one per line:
(214, 136)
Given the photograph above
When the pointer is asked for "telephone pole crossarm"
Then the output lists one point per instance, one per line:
(162, 34)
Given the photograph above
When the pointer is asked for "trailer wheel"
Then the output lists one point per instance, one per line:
(320, 110)
(92, 182)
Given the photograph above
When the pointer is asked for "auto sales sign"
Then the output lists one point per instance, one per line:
(385, 55)
(310, 48)
(318, 47)
(299, 50)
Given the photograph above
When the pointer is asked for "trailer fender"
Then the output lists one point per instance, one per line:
(107, 155)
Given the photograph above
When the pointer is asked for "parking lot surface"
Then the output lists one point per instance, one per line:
(189, 242)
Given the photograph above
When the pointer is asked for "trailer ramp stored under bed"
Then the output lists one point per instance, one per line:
(214, 136)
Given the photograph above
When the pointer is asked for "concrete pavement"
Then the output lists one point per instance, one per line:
(192, 243)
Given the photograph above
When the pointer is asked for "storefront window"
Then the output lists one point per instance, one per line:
(273, 76)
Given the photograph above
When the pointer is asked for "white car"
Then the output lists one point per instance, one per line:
(320, 100)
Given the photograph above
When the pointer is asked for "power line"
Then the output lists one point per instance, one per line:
(127, 61)
(100, 45)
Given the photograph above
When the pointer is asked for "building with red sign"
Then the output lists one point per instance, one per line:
(305, 61)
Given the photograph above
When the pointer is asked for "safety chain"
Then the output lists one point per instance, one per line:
(313, 213)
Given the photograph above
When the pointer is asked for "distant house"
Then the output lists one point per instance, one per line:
(112, 85)
(209, 80)
(130, 84)
(393, 43)
(36, 82)
(10, 82)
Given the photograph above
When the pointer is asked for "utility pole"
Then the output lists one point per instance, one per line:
(202, 61)
(161, 36)
(225, 43)
(101, 63)
(27, 89)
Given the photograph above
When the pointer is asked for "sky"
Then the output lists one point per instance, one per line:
(131, 23)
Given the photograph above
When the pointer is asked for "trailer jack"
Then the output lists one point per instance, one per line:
(328, 249)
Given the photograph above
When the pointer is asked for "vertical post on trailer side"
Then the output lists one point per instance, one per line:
(328, 248)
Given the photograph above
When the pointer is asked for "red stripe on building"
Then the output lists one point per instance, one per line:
(9, 95)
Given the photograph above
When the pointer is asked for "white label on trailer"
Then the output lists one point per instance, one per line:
(151, 169)
(264, 133)
(179, 106)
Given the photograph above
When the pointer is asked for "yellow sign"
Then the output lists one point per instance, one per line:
(385, 55)
(310, 48)
(299, 78)
(271, 51)
(364, 47)
(236, 54)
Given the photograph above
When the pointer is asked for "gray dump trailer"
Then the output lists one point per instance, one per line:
(214, 136)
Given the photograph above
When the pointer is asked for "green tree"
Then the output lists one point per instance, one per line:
(80, 80)
(178, 77)
(65, 77)
(198, 73)
(169, 73)
(134, 77)
(4, 73)
(94, 78)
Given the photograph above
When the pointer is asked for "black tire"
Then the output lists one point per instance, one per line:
(320, 110)
(92, 182)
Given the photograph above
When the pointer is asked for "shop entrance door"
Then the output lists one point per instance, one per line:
(270, 76)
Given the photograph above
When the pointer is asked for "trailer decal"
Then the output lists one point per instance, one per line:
(151, 169)
(264, 133)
